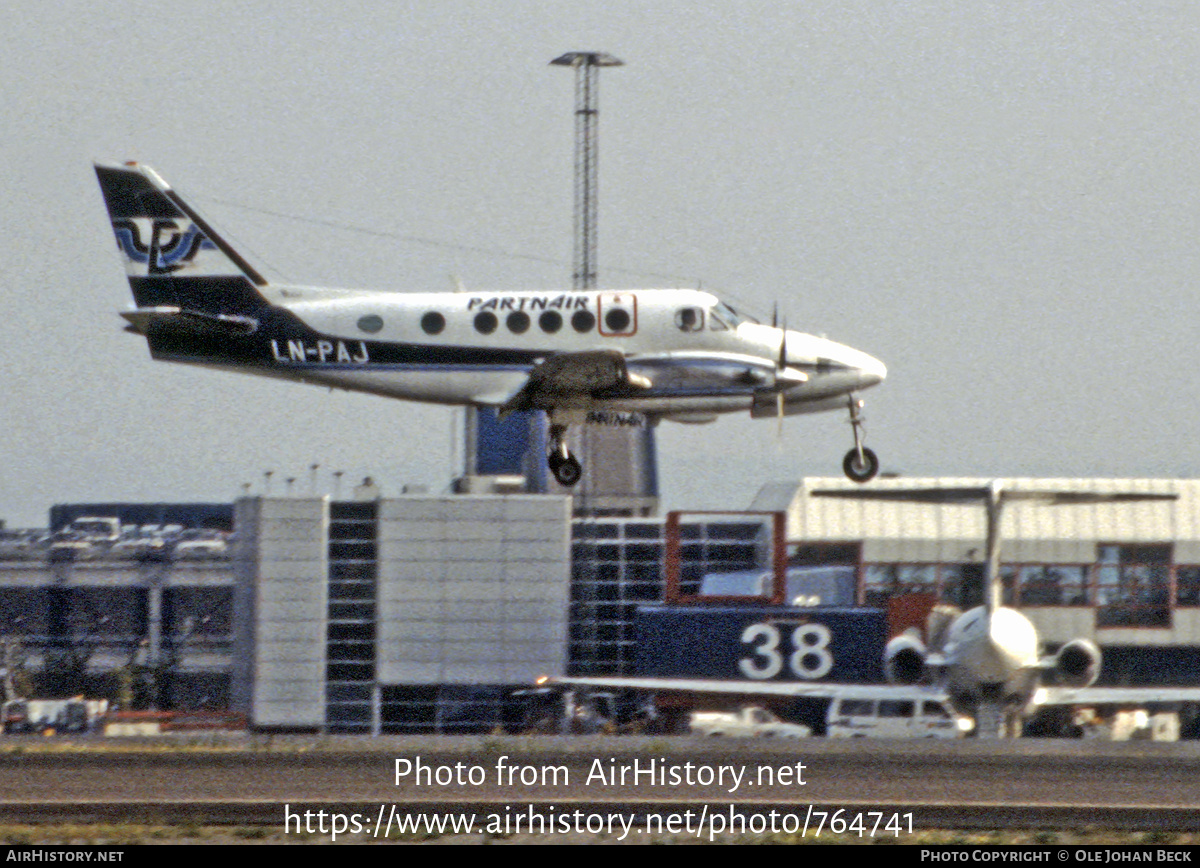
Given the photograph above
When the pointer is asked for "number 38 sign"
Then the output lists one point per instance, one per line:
(809, 657)
(761, 643)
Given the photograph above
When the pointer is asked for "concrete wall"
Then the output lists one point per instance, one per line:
(281, 608)
(473, 590)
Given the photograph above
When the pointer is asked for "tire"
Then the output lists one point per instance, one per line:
(861, 472)
(568, 470)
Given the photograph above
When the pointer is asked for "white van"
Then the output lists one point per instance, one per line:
(891, 713)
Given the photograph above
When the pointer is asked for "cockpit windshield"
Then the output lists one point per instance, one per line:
(722, 316)
(718, 318)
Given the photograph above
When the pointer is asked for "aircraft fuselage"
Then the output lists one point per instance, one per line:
(994, 653)
(466, 348)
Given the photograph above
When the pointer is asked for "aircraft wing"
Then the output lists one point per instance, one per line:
(1081, 696)
(735, 687)
(1139, 696)
(563, 379)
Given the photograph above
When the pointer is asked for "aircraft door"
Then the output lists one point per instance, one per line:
(618, 314)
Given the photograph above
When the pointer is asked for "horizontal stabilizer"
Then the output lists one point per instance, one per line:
(970, 494)
(189, 321)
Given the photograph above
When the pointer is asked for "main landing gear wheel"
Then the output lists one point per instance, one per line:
(861, 469)
(566, 470)
(565, 466)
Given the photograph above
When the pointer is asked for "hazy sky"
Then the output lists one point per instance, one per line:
(997, 200)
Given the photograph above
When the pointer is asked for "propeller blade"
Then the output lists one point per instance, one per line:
(780, 367)
(781, 362)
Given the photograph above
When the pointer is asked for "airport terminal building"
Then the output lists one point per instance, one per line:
(1124, 575)
(424, 613)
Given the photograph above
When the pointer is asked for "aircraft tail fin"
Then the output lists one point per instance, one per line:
(173, 258)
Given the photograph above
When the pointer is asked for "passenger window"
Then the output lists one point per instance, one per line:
(372, 323)
(689, 319)
(583, 321)
(550, 321)
(617, 320)
(432, 323)
(485, 322)
(518, 322)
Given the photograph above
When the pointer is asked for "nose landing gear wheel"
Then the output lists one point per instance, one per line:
(860, 464)
(566, 470)
(861, 470)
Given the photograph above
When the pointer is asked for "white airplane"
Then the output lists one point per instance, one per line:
(986, 660)
(666, 353)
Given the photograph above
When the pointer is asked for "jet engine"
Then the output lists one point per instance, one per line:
(904, 658)
(1077, 664)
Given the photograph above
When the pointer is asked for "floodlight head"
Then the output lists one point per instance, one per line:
(586, 58)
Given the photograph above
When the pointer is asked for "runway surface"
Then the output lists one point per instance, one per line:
(1048, 784)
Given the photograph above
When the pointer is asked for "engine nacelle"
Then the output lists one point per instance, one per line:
(904, 658)
(1077, 664)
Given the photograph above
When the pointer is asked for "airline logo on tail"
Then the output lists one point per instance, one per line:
(155, 246)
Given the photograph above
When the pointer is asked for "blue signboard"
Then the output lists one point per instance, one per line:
(761, 643)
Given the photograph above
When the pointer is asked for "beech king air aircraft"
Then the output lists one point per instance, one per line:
(667, 353)
(986, 659)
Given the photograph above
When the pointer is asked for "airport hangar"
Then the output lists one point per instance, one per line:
(423, 613)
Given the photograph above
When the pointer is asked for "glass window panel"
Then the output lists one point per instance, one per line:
(1133, 586)
(1187, 580)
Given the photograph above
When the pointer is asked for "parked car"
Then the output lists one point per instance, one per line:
(749, 722)
(918, 715)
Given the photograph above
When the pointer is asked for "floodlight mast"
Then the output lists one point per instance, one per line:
(587, 66)
(628, 484)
